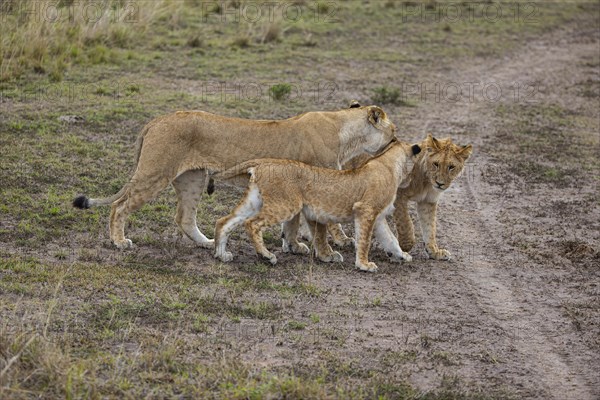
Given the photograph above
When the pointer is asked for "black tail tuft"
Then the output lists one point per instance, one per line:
(210, 188)
(81, 202)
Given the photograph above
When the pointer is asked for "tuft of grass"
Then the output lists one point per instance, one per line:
(280, 91)
(36, 40)
(296, 325)
(242, 42)
(195, 41)
(384, 95)
(322, 8)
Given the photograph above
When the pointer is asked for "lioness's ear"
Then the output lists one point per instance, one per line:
(465, 151)
(354, 104)
(375, 115)
(416, 149)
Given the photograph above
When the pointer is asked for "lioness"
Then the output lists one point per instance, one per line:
(181, 148)
(281, 189)
(435, 169)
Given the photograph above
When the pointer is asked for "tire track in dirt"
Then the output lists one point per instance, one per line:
(535, 322)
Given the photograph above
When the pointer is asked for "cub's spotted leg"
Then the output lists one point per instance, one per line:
(323, 250)
(289, 237)
(404, 225)
(339, 236)
(189, 187)
(364, 219)
(388, 241)
(247, 208)
(275, 210)
(427, 219)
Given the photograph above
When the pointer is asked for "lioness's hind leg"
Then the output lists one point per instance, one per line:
(138, 193)
(189, 187)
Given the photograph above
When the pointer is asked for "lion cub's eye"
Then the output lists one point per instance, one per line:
(450, 167)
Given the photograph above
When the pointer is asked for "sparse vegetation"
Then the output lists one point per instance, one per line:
(280, 91)
(383, 95)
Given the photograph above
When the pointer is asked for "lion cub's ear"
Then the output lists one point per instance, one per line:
(354, 104)
(433, 143)
(376, 114)
(465, 151)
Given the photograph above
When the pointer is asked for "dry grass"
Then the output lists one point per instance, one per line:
(41, 37)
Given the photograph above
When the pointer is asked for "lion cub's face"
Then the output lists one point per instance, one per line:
(444, 161)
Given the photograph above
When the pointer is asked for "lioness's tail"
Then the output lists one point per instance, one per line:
(86, 202)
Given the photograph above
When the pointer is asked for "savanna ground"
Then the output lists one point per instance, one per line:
(515, 314)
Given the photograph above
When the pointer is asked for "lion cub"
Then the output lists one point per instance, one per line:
(281, 189)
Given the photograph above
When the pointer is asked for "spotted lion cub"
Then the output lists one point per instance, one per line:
(281, 189)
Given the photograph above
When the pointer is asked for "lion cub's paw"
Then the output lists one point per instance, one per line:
(332, 257)
(299, 248)
(368, 267)
(337, 257)
(125, 244)
(270, 257)
(225, 257)
(440, 255)
(344, 242)
(209, 244)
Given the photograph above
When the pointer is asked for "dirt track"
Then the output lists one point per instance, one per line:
(498, 314)
(514, 296)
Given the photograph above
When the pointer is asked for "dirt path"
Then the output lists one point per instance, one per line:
(543, 353)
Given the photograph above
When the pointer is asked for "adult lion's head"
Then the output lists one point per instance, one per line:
(444, 161)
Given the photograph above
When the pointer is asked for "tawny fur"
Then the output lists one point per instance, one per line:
(279, 190)
(181, 148)
(436, 167)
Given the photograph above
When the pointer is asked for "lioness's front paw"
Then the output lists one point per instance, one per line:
(440, 254)
(209, 244)
(225, 256)
(368, 267)
(124, 244)
(332, 257)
